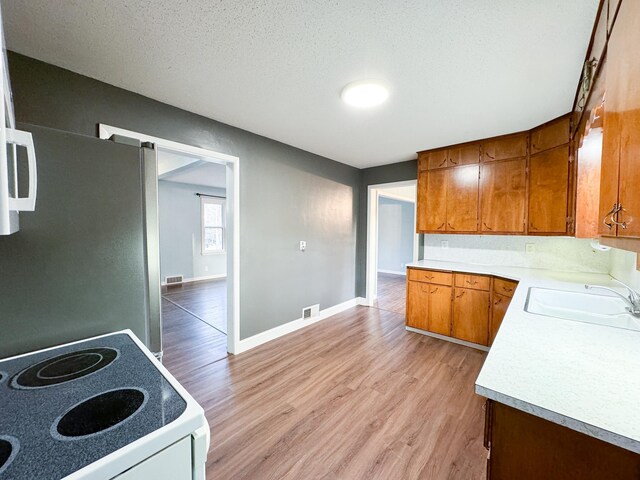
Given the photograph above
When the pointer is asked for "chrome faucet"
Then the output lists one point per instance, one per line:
(632, 300)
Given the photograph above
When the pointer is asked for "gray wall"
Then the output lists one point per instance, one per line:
(396, 172)
(179, 213)
(76, 267)
(396, 231)
(286, 194)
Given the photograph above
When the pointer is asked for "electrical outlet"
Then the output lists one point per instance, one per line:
(444, 243)
(530, 248)
(303, 245)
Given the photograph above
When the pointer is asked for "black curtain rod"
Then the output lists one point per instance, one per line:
(207, 195)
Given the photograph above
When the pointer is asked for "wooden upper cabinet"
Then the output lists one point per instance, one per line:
(464, 155)
(436, 159)
(621, 143)
(548, 191)
(613, 8)
(504, 196)
(417, 305)
(439, 309)
(504, 148)
(470, 320)
(550, 135)
(432, 201)
(423, 161)
(462, 199)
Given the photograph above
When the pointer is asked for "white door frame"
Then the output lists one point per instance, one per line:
(373, 194)
(233, 217)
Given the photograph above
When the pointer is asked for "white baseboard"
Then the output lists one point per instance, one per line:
(448, 339)
(394, 272)
(281, 330)
(199, 279)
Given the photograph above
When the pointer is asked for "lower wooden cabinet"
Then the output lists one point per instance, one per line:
(525, 447)
(417, 304)
(460, 305)
(470, 315)
(499, 305)
(439, 309)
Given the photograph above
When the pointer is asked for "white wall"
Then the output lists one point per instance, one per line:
(555, 253)
(623, 267)
(180, 232)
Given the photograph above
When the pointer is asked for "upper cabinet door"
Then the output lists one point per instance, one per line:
(462, 198)
(504, 196)
(504, 148)
(550, 135)
(623, 103)
(465, 155)
(432, 201)
(437, 159)
(548, 192)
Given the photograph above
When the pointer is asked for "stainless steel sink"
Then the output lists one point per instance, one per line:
(606, 310)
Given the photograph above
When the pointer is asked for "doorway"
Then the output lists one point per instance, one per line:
(391, 243)
(211, 293)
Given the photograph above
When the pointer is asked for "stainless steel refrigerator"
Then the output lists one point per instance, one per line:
(86, 261)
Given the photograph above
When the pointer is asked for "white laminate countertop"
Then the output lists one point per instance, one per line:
(581, 375)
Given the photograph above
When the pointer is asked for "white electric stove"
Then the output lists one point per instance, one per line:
(101, 408)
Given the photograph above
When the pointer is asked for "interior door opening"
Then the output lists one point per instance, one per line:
(392, 243)
(198, 229)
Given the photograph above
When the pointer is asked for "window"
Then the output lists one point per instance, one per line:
(213, 225)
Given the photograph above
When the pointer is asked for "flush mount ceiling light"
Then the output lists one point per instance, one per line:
(365, 94)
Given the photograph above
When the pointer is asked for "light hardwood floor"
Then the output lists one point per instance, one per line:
(355, 396)
(392, 293)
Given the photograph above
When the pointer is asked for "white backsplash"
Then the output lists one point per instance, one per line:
(554, 253)
(623, 267)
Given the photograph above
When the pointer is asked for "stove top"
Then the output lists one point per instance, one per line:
(65, 408)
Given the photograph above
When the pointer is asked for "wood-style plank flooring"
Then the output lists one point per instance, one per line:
(354, 396)
(392, 293)
(206, 300)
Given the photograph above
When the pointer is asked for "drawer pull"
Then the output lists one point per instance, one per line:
(471, 283)
(507, 289)
(429, 277)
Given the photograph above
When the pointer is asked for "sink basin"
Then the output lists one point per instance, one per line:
(606, 310)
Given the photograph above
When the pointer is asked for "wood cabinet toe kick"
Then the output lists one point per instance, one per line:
(465, 308)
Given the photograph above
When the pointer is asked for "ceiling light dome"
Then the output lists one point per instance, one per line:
(364, 94)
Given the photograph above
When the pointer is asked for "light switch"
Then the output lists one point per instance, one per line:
(530, 248)
(303, 245)
(444, 244)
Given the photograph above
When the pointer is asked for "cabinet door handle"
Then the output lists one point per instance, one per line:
(487, 226)
(461, 294)
(471, 283)
(434, 291)
(440, 226)
(450, 226)
(497, 301)
(620, 224)
(452, 161)
(610, 213)
(507, 289)
(487, 154)
(532, 227)
(443, 163)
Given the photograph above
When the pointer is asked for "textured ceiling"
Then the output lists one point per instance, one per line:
(458, 69)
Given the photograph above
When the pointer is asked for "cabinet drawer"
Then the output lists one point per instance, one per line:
(430, 276)
(476, 282)
(504, 287)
